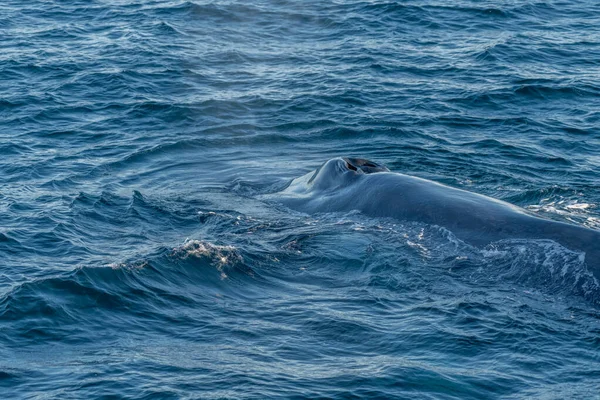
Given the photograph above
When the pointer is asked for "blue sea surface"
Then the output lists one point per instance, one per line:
(138, 260)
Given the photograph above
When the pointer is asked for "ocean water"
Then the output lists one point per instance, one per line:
(138, 261)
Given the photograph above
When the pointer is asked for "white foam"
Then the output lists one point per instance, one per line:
(220, 256)
(572, 210)
(127, 266)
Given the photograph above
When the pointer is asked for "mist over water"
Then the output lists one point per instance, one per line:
(139, 261)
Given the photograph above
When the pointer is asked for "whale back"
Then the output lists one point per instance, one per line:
(345, 184)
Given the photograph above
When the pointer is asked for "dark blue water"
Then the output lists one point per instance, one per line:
(138, 262)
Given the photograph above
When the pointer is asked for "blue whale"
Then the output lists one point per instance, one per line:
(347, 184)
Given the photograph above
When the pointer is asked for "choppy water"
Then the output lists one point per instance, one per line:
(137, 261)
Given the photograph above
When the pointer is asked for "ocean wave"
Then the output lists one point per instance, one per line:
(130, 126)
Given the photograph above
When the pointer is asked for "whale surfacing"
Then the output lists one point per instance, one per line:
(347, 184)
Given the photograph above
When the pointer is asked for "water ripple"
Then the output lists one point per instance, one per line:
(138, 262)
